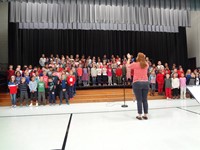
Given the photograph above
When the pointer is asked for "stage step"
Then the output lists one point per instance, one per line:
(92, 95)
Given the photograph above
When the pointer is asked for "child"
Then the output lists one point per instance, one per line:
(175, 86)
(10, 72)
(114, 67)
(196, 79)
(45, 78)
(23, 88)
(105, 75)
(188, 76)
(18, 81)
(191, 80)
(109, 73)
(99, 71)
(13, 90)
(51, 88)
(70, 82)
(63, 89)
(119, 74)
(168, 87)
(33, 90)
(27, 77)
(160, 81)
(94, 74)
(75, 75)
(41, 91)
(56, 82)
(152, 80)
(18, 77)
(79, 74)
(182, 86)
(85, 75)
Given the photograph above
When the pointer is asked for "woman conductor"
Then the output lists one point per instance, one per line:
(140, 83)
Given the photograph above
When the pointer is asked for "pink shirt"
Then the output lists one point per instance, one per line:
(182, 82)
(109, 72)
(139, 73)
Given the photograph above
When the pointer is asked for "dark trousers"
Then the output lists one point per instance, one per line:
(74, 88)
(114, 78)
(70, 91)
(93, 80)
(105, 79)
(141, 91)
(99, 79)
(24, 95)
(41, 97)
(52, 97)
(63, 94)
(33, 95)
(175, 92)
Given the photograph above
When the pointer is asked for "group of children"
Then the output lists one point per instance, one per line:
(172, 83)
(32, 86)
(59, 77)
(91, 71)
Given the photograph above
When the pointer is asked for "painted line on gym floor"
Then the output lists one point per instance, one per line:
(92, 112)
(67, 133)
(189, 111)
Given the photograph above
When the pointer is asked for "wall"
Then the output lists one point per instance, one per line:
(3, 34)
(193, 37)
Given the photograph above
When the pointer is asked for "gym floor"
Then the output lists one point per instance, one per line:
(172, 124)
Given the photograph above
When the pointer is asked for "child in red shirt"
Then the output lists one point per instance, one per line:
(119, 74)
(10, 72)
(13, 90)
(160, 80)
(79, 74)
(70, 82)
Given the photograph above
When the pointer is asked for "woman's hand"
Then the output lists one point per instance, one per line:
(128, 56)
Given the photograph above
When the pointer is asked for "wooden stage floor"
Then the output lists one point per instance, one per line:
(92, 95)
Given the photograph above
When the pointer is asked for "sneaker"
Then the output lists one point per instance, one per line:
(139, 118)
(145, 117)
(31, 104)
(36, 104)
(15, 106)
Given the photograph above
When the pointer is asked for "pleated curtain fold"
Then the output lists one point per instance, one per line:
(126, 15)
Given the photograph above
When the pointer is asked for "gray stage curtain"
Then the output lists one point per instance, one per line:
(130, 15)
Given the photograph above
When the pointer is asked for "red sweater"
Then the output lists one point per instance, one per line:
(71, 80)
(10, 73)
(160, 78)
(179, 73)
(119, 72)
(12, 87)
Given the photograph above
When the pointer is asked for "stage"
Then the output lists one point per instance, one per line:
(101, 126)
(92, 95)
